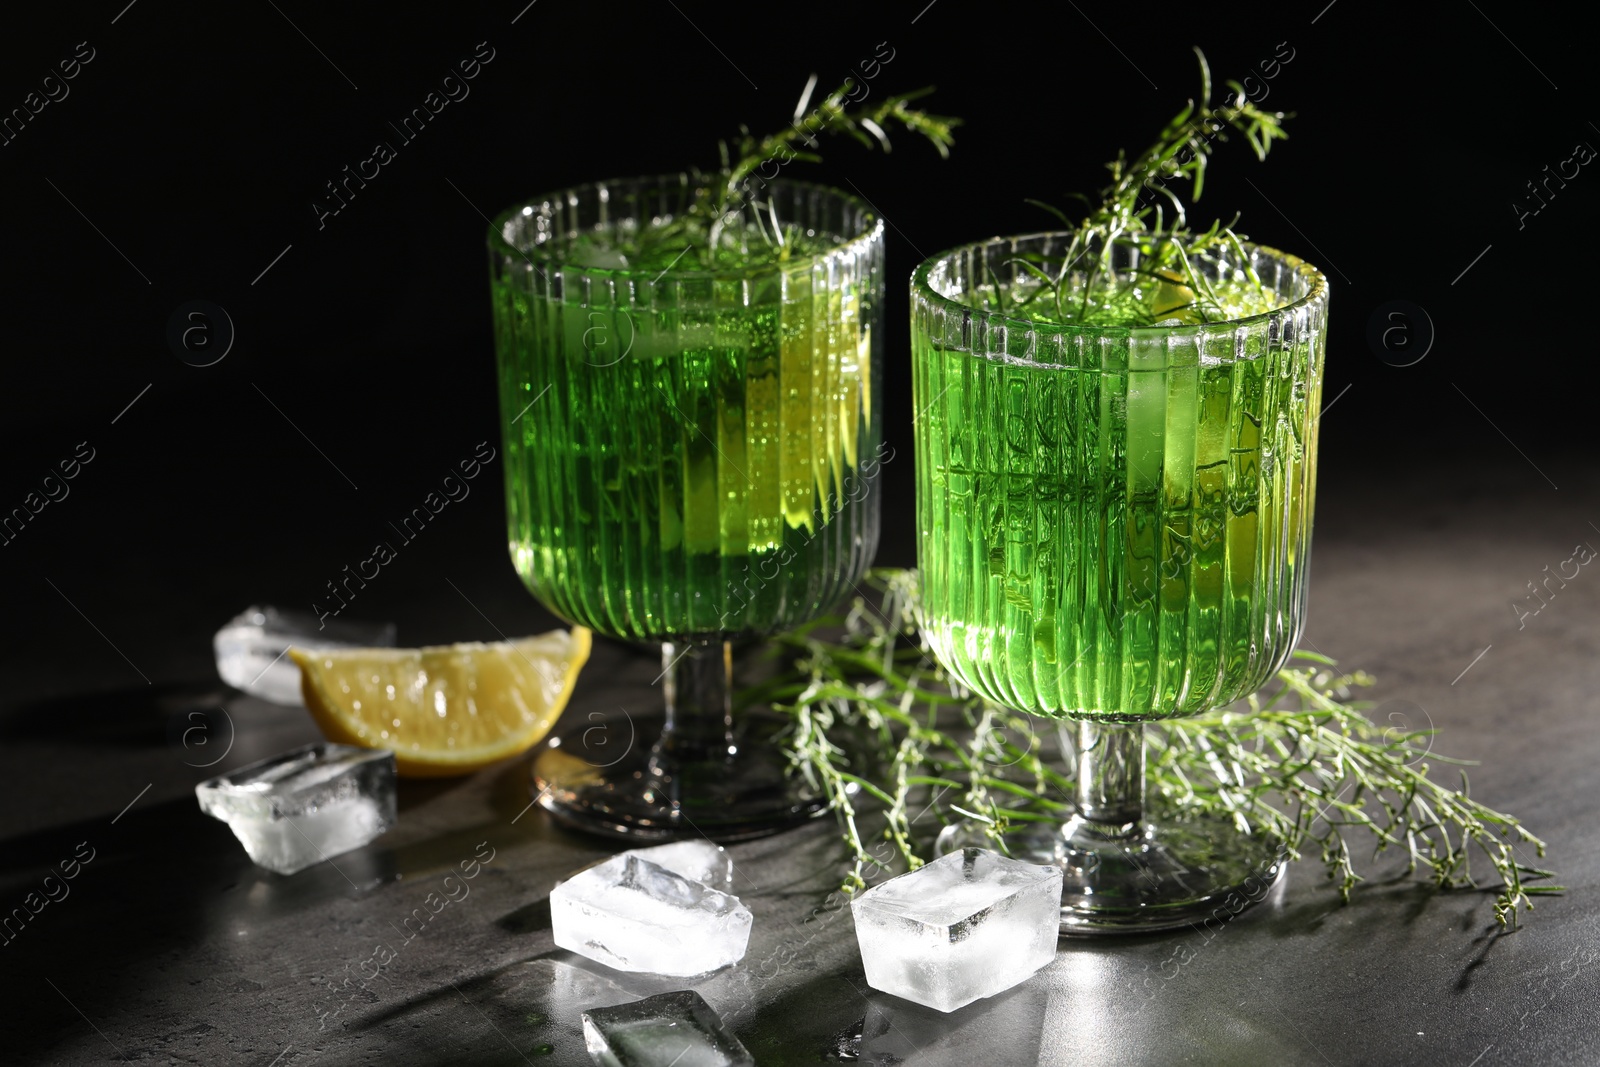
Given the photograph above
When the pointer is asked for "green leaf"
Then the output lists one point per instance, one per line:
(1057, 212)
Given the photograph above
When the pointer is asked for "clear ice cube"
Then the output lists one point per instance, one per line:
(305, 806)
(635, 915)
(669, 1030)
(966, 926)
(698, 861)
(594, 257)
(250, 648)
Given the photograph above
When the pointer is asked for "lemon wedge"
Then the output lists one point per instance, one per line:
(447, 709)
(1173, 298)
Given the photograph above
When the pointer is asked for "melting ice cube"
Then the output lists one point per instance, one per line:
(964, 927)
(305, 806)
(594, 252)
(669, 1030)
(635, 915)
(250, 648)
(698, 861)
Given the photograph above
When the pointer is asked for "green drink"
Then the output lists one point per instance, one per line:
(1124, 540)
(688, 467)
(1115, 523)
(692, 443)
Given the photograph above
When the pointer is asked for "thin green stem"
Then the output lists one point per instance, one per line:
(1300, 761)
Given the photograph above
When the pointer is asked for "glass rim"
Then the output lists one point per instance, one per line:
(873, 221)
(922, 290)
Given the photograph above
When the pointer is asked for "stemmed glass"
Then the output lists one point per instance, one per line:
(1114, 528)
(690, 458)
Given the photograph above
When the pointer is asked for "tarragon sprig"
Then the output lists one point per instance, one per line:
(1133, 211)
(1300, 753)
(884, 733)
(869, 125)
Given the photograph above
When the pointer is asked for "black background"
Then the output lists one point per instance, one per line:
(362, 370)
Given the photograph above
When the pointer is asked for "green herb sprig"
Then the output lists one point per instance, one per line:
(1300, 762)
(728, 206)
(1133, 211)
(865, 125)
(869, 125)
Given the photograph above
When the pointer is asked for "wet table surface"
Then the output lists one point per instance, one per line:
(170, 947)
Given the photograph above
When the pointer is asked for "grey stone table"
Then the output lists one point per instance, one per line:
(171, 948)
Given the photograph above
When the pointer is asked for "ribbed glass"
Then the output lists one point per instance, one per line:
(1114, 522)
(689, 453)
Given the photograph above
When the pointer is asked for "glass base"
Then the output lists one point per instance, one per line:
(606, 778)
(1153, 877)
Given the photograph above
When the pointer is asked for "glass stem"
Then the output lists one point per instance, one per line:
(699, 697)
(1111, 776)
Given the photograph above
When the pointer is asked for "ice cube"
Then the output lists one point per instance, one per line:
(698, 861)
(964, 927)
(250, 648)
(668, 1030)
(601, 259)
(596, 252)
(635, 915)
(305, 806)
